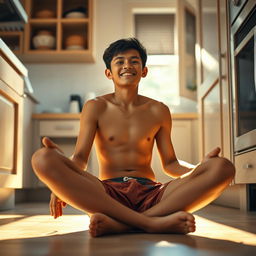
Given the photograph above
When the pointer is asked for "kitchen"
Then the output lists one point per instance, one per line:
(210, 121)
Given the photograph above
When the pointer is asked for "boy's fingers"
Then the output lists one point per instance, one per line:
(60, 209)
(48, 143)
(214, 152)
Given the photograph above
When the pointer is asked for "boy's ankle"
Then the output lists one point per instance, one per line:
(149, 224)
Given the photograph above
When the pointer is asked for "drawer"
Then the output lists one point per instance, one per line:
(245, 168)
(60, 128)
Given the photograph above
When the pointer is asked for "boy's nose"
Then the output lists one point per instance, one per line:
(127, 64)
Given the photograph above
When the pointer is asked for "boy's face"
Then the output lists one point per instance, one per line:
(126, 68)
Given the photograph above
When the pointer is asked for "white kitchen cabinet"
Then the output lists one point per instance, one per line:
(11, 117)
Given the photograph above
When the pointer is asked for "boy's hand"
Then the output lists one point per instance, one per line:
(56, 206)
(214, 153)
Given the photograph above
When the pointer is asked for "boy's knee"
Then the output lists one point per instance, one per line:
(41, 158)
(224, 167)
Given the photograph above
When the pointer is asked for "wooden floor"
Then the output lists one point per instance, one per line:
(29, 230)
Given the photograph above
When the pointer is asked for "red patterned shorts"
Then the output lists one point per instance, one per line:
(136, 193)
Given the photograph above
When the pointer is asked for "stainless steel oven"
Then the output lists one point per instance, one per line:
(243, 57)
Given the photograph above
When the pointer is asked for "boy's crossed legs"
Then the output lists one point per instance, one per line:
(187, 194)
(170, 215)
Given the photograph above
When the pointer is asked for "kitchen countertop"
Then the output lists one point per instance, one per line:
(74, 116)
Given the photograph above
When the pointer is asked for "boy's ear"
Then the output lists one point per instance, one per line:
(144, 72)
(108, 73)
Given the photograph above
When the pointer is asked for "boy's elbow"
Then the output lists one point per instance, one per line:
(79, 161)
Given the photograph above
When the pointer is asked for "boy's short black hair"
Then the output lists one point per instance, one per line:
(123, 45)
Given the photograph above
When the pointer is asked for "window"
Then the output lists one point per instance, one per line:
(156, 33)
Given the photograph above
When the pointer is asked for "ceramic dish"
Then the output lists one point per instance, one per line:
(75, 15)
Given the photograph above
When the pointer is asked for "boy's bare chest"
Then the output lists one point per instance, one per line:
(123, 126)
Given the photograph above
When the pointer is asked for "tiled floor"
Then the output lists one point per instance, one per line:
(29, 230)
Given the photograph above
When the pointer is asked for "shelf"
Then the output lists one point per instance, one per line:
(57, 57)
(73, 32)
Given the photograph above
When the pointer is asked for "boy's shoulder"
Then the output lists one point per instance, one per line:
(96, 105)
(100, 104)
(154, 105)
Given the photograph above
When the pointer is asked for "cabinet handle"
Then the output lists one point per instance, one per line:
(248, 166)
(64, 128)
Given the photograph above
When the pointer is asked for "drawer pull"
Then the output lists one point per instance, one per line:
(64, 128)
(248, 166)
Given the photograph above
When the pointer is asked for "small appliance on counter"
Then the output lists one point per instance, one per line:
(75, 104)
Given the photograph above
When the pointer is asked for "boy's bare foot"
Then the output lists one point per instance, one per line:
(179, 223)
(101, 224)
(176, 223)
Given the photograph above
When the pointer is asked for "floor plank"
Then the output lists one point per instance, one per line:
(29, 230)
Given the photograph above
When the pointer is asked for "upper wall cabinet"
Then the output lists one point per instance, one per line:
(58, 31)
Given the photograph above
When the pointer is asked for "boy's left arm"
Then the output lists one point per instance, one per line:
(171, 165)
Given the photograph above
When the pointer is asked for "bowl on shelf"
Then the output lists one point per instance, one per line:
(44, 40)
(76, 13)
(75, 42)
(44, 14)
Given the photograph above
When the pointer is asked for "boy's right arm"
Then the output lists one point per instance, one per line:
(88, 128)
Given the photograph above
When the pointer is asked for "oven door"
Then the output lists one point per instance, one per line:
(244, 87)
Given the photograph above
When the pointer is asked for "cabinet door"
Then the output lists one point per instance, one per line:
(210, 96)
(11, 109)
(7, 134)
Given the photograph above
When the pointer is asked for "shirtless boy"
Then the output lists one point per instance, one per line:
(124, 126)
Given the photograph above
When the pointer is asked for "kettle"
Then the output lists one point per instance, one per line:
(75, 104)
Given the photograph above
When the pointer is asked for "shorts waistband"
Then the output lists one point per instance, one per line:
(126, 178)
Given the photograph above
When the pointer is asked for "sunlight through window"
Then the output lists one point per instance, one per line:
(161, 82)
(223, 232)
(40, 225)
